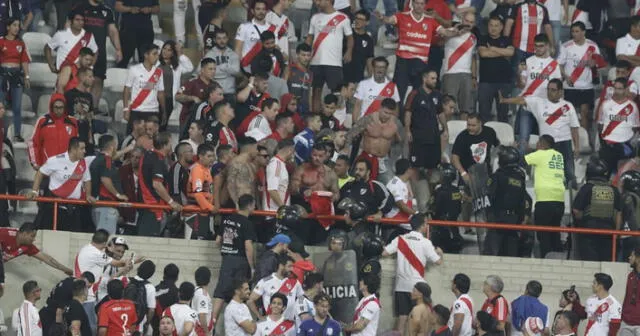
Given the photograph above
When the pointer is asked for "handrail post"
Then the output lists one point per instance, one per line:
(614, 247)
(55, 216)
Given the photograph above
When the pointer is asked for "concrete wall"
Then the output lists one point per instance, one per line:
(555, 275)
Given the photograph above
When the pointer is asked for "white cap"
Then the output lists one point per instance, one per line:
(533, 326)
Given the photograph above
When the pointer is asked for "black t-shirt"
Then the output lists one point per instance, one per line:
(495, 69)
(102, 166)
(362, 50)
(425, 108)
(276, 57)
(236, 229)
(474, 149)
(130, 21)
(78, 102)
(75, 312)
(178, 177)
(331, 123)
(96, 21)
(61, 294)
(152, 167)
(372, 193)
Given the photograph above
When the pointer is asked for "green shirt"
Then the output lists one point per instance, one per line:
(343, 180)
(549, 174)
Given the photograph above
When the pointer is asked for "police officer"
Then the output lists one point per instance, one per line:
(288, 222)
(630, 182)
(509, 203)
(360, 230)
(371, 193)
(446, 204)
(596, 206)
(372, 247)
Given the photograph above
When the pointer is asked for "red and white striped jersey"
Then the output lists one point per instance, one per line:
(618, 120)
(258, 128)
(537, 78)
(498, 307)
(284, 30)
(270, 327)
(369, 92)
(458, 54)
(328, 32)
(627, 45)
(277, 180)
(67, 45)
(181, 314)
(249, 34)
(529, 22)
(601, 312)
(66, 177)
(26, 320)
(463, 305)
(413, 250)
(574, 58)
(581, 16)
(144, 86)
(415, 35)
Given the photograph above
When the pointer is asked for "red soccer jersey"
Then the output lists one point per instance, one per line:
(13, 51)
(10, 248)
(415, 36)
(118, 316)
(497, 307)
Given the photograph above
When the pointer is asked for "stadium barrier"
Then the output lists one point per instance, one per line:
(190, 208)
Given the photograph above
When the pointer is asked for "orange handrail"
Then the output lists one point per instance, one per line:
(192, 208)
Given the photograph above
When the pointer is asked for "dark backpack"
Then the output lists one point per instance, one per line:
(137, 292)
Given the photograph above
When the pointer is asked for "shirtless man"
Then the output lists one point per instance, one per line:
(380, 130)
(315, 186)
(241, 173)
(420, 316)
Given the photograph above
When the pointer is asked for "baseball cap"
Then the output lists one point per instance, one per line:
(534, 326)
(120, 241)
(279, 239)
(296, 246)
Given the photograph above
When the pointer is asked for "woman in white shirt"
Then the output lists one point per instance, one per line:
(174, 64)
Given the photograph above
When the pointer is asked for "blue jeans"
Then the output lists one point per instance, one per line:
(566, 149)
(487, 93)
(15, 90)
(90, 309)
(105, 218)
(390, 8)
(524, 126)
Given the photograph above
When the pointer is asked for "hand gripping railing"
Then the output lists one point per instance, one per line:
(190, 208)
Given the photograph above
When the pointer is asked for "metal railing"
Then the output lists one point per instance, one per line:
(191, 208)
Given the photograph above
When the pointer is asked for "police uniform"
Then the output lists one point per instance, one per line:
(510, 203)
(599, 203)
(370, 266)
(446, 204)
(372, 193)
(356, 237)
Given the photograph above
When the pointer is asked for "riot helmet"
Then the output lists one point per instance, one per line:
(597, 169)
(337, 236)
(448, 173)
(508, 156)
(357, 210)
(630, 181)
(371, 246)
(289, 215)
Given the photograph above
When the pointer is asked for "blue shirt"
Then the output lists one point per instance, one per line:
(311, 328)
(303, 145)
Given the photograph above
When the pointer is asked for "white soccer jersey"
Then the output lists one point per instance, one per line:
(277, 180)
(368, 308)
(289, 287)
(554, 8)
(249, 34)
(369, 91)
(201, 303)
(538, 78)
(270, 327)
(234, 314)
(631, 85)
(304, 305)
(328, 32)
(555, 119)
(141, 81)
(26, 320)
(181, 314)
(401, 191)
(284, 30)
(458, 54)
(66, 177)
(601, 312)
(420, 248)
(618, 120)
(627, 45)
(463, 305)
(258, 128)
(574, 58)
(64, 41)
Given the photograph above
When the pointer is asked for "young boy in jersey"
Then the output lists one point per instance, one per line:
(367, 314)
(184, 317)
(305, 307)
(321, 323)
(201, 302)
(276, 323)
(603, 310)
(278, 282)
(117, 316)
(26, 320)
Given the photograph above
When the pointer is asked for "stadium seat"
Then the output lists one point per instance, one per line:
(504, 132)
(41, 75)
(116, 77)
(111, 52)
(35, 43)
(26, 132)
(21, 155)
(583, 136)
(43, 104)
(27, 108)
(455, 127)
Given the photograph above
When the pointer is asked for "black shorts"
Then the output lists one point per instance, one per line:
(233, 267)
(426, 156)
(332, 75)
(579, 98)
(402, 303)
(100, 67)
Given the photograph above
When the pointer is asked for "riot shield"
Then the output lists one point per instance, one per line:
(480, 202)
(340, 282)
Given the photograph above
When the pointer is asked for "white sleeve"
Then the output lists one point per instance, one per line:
(458, 308)
(240, 33)
(200, 303)
(634, 88)
(619, 47)
(151, 296)
(242, 314)
(93, 45)
(603, 108)
(369, 312)
(131, 76)
(359, 92)
(396, 95)
(273, 179)
(392, 247)
(533, 103)
(346, 27)
(265, 128)
(312, 27)
(615, 312)
(54, 43)
(430, 252)
(573, 117)
(15, 320)
(562, 56)
(87, 174)
(634, 116)
(259, 288)
(397, 191)
(48, 167)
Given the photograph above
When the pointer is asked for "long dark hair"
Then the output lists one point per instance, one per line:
(10, 21)
(174, 57)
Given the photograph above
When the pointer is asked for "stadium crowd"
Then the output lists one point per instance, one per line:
(320, 129)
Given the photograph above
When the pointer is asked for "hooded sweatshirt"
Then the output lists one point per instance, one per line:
(227, 67)
(51, 134)
(297, 119)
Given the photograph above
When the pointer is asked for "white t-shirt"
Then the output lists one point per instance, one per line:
(570, 57)
(278, 180)
(258, 128)
(535, 67)
(554, 8)
(600, 313)
(138, 78)
(329, 51)
(63, 174)
(304, 306)
(289, 287)
(401, 191)
(201, 303)
(249, 34)
(63, 41)
(234, 314)
(461, 306)
(284, 30)
(91, 259)
(369, 91)
(406, 275)
(618, 120)
(368, 309)
(26, 320)
(182, 314)
(627, 45)
(459, 61)
(268, 327)
(555, 119)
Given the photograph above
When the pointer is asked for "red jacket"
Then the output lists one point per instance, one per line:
(51, 134)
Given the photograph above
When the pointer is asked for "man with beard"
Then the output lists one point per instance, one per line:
(179, 172)
(630, 307)
(268, 40)
(241, 172)
(237, 317)
(299, 76)
(247, 44)
(369, 192)
(227, 63)
(372, 91)
(277, 282)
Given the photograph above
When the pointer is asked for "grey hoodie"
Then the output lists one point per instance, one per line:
(227, 67)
